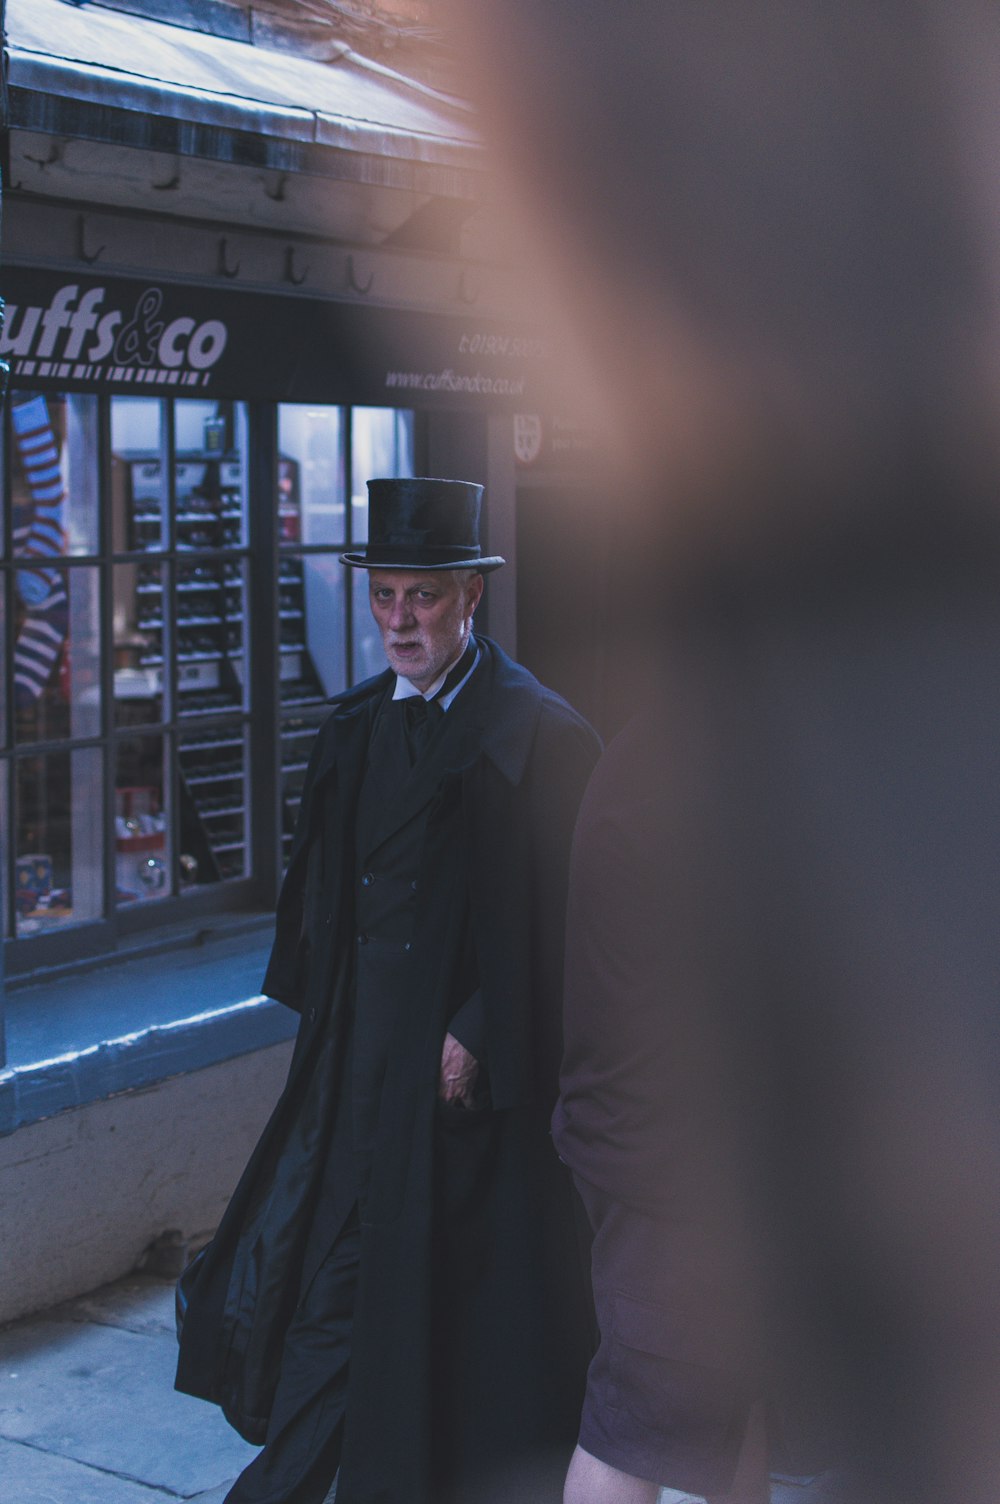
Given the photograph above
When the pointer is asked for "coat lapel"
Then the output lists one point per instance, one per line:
(454, 744)
(495, 716)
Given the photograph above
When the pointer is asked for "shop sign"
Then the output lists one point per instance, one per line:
(90, 335)
(72, 331)
(556, 440)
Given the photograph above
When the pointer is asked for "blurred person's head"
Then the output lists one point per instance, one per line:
(769, 228)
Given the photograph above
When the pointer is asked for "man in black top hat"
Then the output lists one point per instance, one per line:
(394, 1295)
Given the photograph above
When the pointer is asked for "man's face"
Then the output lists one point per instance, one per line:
(425, 617)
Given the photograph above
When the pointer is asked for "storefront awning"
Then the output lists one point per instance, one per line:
(99, 74)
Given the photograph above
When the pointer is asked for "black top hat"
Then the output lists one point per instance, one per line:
(423, 524)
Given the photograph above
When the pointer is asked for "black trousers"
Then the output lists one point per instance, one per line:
(301, 1455)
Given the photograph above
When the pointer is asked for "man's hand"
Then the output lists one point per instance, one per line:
(459, 1069)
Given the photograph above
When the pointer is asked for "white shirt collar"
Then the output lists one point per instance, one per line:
(404, 690)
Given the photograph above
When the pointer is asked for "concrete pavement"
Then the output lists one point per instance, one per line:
(89, 1415)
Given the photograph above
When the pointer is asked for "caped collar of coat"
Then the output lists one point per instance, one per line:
(511, 704)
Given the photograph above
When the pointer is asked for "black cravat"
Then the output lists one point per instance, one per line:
(421, 717)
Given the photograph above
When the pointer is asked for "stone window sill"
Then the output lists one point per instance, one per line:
(190, 1001)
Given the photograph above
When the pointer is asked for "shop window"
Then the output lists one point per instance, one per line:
(136, 777)
(311, 487)
(56, 653)
(179, 506)
(57, 860)
(214, 812)
(138, 474)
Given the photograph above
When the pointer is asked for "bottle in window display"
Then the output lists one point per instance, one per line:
(289, 508)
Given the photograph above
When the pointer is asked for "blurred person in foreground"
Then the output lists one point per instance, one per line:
(775, 232)
(394, 1296)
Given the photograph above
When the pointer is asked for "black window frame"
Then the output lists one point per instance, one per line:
(124, 926)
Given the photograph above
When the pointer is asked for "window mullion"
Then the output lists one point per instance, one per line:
(105, 544)
(261, 646)
(168, 649)
(347, 431)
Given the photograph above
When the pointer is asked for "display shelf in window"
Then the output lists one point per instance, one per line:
(137, 626)
(300, 684)
(208, 502)
(144, 510)
(213, 805)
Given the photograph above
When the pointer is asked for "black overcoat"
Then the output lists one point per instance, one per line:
(471, 1331)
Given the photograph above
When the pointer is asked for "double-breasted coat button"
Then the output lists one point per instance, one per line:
(368, 879)
(362, 939)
